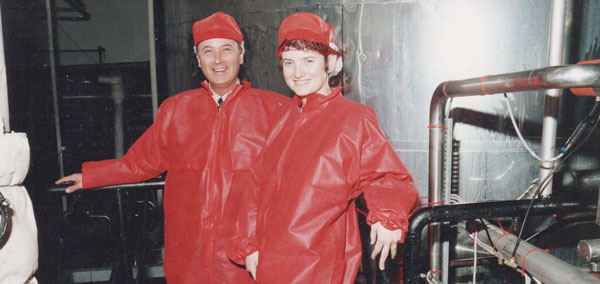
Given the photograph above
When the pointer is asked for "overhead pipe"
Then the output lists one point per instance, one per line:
(537, 262)
(76, 6)
(413, 252)
(567, 76)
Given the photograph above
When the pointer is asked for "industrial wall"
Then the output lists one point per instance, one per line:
(397, 52)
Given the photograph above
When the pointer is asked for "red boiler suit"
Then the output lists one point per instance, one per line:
(329, 153)
(209, 155)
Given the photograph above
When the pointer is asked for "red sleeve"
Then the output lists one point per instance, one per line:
(141, 162)
(244, 241)
(387, 185)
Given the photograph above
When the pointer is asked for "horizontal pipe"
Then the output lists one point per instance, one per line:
(568, 76)
(565, 76)
(413, 252)
(468, 262)
(540, 264)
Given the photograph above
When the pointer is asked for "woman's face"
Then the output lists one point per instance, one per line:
(304, 72)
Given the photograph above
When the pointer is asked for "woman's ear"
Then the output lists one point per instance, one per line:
(331, 62)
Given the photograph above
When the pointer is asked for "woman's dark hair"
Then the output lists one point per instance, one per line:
(304, 45)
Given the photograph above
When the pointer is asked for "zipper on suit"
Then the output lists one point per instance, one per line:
(219, 103)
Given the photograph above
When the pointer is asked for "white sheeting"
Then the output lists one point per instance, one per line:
(19, 247)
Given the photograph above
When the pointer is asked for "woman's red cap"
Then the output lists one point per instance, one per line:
(306, 26)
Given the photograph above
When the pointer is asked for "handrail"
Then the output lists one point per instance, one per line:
(152, 183)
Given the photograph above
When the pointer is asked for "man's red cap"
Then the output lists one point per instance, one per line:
(306, 26)
(217, 25)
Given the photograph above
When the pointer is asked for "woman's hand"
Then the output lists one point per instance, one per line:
(385, 241)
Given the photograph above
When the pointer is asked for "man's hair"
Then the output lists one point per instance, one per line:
(304, 45)
(240, 45)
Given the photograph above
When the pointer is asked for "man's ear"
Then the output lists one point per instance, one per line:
(242, 56)
(197, 56)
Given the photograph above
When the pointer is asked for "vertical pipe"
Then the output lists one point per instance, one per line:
(445, 243)
(153, 83)
(4, 116)
(152, 48)
(126, 269)
(61, 170)
(436, 141)
(550, 122)
(118, 95)
(51, 54)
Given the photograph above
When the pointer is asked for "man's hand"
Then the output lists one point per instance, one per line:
(252, 263)
(75, 180)
(385, 241)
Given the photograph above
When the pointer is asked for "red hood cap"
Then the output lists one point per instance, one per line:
(306, 26)
(217, 25)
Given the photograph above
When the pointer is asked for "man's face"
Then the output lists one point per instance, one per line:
(220, 60)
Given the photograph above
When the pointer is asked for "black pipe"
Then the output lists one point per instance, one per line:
(413, 251)
(154, 183)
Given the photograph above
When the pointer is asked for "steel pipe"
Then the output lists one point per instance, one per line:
(413, 252)
(540, 264)
(568, 76)
(152, 55)
(589, 250)
(550, 121)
